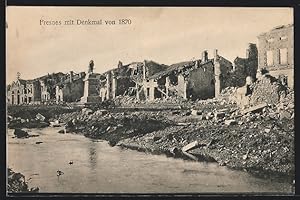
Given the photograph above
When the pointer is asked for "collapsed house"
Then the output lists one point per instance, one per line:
(198, 79)
(275, 69)
(71, 88)
(48, 83)
(127, 79)
(242, 68)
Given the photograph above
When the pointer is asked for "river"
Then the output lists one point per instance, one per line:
(100, 168)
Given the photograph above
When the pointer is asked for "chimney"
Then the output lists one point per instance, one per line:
(120, 64)
(204, 56)
(71, 76)
(216, 54)
(144, 70)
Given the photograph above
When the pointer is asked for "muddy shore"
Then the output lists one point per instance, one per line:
(255, 141)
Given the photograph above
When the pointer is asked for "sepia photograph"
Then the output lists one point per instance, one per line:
(150, 100)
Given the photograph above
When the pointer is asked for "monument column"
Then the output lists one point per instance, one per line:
(91, 83)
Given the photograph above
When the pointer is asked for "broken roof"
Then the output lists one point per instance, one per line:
(125, 70)
(224, 61)
(276, 28)
(43, 78)
(282, 26)
(178, 67)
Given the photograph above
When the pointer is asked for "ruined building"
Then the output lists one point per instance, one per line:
(276, 53)
(199, 79)
(243, 67)
(38, 90)
(116, 82)
(23, 92)
(71, 88)
(48, 83)
(127, 79)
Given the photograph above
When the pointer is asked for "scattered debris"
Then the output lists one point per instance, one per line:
(191, 156)
(19, 133)
(175, 151)
(190, 146)
(55, 123)
(40, 117)
(87, 111)
(38, 142)
(61, 131)
(196, 112)
(230, 122)
(219, 115)
(285, 115)
(256, 108)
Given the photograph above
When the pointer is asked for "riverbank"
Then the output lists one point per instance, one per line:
(260, 140)
(16, 182)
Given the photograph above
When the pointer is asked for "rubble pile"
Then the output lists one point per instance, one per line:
(125, 100)
(211, 105)
(267, 89)
(18, 122)
(131, 101)
(113, 126)
(228, 91)
(172, 99)
(285, 108)
(257, 139)
(34, 116)
(17, 183)
(246, 142)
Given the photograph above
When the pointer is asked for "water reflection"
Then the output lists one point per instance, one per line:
(93, 155)
(99, 168)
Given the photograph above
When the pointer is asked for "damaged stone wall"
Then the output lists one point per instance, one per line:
(274, 40)
(48, 85)
(201, 82)
(73, 91)
(279, 45)
(123, 86)
(243, 67)
(149, 88)
(181, 86)
(36, 91)
(123, 81)
(222, 67)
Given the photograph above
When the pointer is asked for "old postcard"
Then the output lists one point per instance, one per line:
(150, 100)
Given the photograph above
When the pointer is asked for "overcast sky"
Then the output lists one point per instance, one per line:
(164, 35)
